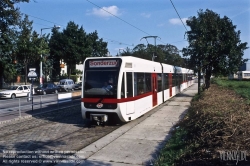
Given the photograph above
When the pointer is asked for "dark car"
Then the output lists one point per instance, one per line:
(78, 85)
(46, 88)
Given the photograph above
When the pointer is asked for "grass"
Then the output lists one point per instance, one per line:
(175, 148)
(241, 87)
(218, 119)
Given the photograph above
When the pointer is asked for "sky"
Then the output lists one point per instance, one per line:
(125, 23)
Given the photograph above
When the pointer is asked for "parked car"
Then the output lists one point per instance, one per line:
(66, 85)
(46, 88)
(78, 85)
(15, 91)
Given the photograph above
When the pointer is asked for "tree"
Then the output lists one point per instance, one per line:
(55, 53)
(69, 45)
(170, 55)
(97, 47)
(29, 45)
(214, 45)
(9, 17)
(73, 45)
(165, 53)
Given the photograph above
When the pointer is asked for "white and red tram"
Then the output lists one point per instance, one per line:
(128, 87)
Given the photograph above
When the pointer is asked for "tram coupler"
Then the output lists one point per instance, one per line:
(99, 118)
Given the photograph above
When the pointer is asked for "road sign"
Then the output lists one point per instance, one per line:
(32, 74)
(32, 69)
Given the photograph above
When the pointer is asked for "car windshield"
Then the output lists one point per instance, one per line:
(62, 83)
(12, 87)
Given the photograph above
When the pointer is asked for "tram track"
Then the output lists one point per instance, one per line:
(62, 130)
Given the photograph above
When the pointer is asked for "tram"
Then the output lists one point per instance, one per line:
(128, 87)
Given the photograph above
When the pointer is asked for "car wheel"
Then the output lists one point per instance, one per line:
(44, 93)
(56, 91)
(13, 96)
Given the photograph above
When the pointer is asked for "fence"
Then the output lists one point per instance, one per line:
(20, 107)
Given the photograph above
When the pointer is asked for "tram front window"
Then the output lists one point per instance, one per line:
(100, 83)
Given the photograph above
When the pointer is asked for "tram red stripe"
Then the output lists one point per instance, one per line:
(105, 100)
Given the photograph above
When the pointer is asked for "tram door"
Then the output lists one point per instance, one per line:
(154, 88)
(170, 84)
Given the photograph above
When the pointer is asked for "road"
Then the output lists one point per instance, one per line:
(13, 108)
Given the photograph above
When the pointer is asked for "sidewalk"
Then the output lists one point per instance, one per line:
(139, 142)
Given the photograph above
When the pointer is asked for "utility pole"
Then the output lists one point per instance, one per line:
(155, 37)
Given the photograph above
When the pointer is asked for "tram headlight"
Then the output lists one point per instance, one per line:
(105, 118)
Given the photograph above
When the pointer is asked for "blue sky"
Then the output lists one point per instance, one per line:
(131, 20)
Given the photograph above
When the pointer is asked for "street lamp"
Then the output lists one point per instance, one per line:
(153, 57)
(41, 63)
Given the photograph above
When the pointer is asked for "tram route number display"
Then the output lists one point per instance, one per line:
(42, 157)
(103, 63)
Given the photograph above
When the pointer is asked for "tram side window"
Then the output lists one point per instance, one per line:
(129, 84)
(166, 81)
(175, 79)
(140, 83)
(180, 78)
(147, 86)
(159, 80)
(122, 88)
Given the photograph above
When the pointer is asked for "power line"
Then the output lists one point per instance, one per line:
(178, 15)
(121, 43)
(118, 18)
(43, 19)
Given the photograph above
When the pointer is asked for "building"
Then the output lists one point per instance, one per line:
(243, 73)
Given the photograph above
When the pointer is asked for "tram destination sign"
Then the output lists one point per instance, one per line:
(103, 63)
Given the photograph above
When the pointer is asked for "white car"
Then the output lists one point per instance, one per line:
(15, 91)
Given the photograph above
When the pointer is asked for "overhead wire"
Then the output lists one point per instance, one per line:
(121, 43)
(126, 21)
(118, 18)
(178, 15)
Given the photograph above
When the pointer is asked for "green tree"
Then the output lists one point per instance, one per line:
(214, 45)
(9, 17)
(165, 53)
(73, 45)
(55, 53)
(29, 45)
(97, 47)
(170, 55)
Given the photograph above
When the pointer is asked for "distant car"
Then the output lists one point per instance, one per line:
(46, 88)
(15, 91)
(78, 85)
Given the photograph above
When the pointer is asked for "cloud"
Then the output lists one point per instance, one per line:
(105, 11)
(177, 21)
(145, 15)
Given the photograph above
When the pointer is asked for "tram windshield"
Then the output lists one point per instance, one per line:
(101, 83)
